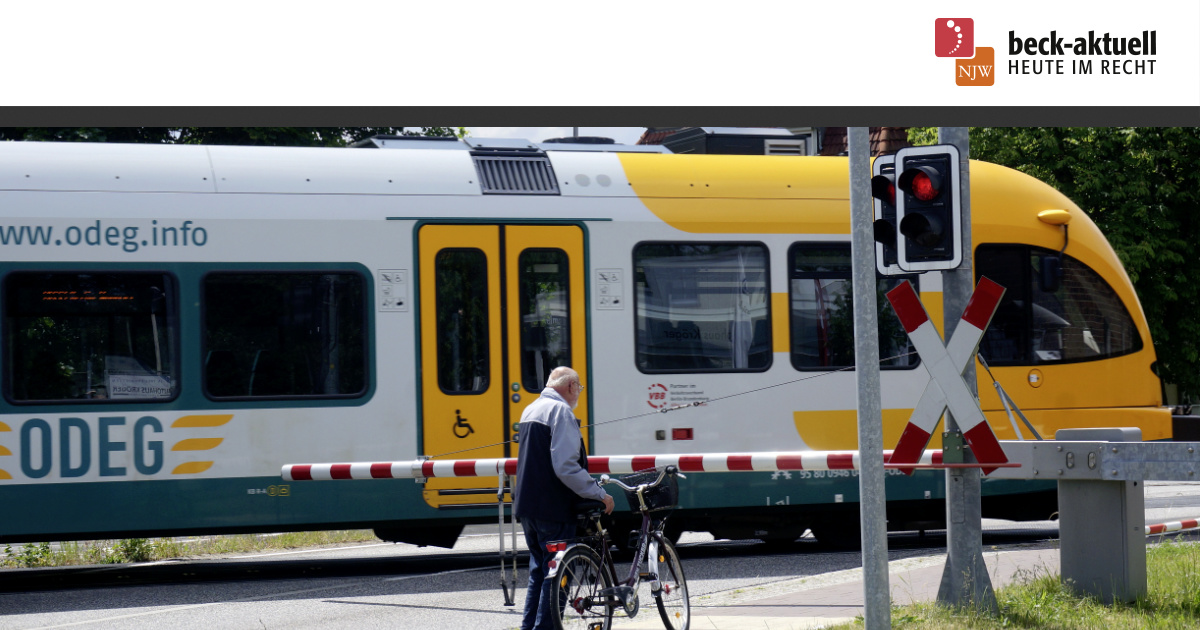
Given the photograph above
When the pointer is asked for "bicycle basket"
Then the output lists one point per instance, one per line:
(664, 496)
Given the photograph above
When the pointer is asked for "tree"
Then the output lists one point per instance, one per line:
(266, 136)
(147, 135)
(1142, 188)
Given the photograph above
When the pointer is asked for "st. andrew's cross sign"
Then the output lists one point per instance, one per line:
(945, 364)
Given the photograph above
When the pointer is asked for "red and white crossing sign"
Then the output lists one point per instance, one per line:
(946, 364)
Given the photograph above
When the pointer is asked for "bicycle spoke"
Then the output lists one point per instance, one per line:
(579, 583)
(672, 595)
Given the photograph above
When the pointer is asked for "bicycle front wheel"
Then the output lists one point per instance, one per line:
(579, 592)
(672, 593)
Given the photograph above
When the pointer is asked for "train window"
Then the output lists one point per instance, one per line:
(90, 336)
(545, 314)
(462, 320)
(1081, 319)
(284, 334)
(702, 307)
(823, 311)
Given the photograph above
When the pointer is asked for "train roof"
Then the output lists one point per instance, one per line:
(409, 166)
(413, 165)
(697, 193)
(693, 192)
(502, 144)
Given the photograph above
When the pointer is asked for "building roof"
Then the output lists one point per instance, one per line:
(656, 135)
(884, 140)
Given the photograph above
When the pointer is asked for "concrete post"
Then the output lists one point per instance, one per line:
(1102, 527)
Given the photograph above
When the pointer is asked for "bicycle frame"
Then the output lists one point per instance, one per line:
(648, 536)
(598, 595)
(647, 548)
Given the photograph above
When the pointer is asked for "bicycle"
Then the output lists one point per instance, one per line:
(588, 592)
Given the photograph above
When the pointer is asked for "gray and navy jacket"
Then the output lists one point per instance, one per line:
(552, 463)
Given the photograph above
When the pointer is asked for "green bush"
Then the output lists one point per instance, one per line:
(132, 550)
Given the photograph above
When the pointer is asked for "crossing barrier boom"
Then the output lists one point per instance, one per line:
(614, 464)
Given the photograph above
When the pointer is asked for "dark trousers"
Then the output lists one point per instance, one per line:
(538, 598)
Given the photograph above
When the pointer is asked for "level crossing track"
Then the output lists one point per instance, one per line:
(406, 560)
(388, 559)
(384, 584)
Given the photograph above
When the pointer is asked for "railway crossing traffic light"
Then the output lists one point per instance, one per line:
(883, 190)
(928, 211)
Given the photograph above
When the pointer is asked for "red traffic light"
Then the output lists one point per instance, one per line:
(922, 182)
(883, 187)
(928, 210)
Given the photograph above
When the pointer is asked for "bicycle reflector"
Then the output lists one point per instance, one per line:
(556, 547)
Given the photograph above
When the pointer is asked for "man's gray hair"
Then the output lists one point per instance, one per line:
(562, 376)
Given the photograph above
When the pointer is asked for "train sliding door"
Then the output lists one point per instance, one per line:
(501, 306)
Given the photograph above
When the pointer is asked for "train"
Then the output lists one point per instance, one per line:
(182, 320)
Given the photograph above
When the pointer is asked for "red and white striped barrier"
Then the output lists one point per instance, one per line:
(597, 464)
(1174, 526)
(946, 364)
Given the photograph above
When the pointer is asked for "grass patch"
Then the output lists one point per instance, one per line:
(73, 553)
(1042, 601)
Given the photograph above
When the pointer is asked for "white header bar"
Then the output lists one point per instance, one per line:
(550, 53)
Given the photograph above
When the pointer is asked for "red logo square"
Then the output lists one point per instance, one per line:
(954, 37)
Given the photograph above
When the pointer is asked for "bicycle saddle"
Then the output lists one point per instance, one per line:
(587, 509)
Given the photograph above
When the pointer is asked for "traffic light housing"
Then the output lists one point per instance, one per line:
(928, 208)
(883, 191)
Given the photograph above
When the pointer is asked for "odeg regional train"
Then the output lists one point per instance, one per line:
(180, 321)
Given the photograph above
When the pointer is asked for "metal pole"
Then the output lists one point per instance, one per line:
(965, 581)
(877, 612)
(509, 597)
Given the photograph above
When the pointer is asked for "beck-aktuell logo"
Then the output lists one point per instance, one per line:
(954, 37)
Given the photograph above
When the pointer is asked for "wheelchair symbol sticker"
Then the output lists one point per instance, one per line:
(462, 428)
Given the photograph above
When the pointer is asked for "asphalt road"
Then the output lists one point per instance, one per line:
(387, 585)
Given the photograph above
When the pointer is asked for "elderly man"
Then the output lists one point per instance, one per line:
(551, 477)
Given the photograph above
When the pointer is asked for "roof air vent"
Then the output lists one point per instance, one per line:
(515, 174)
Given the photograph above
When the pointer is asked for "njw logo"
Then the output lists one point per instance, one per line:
(978, 71)
(973, 65)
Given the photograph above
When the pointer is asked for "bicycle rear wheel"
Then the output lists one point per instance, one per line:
(672, 595)
(579, 583)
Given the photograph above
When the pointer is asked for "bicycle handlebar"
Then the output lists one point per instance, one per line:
(668, 470)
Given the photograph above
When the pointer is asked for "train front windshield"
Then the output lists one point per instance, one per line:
(1051, 318)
